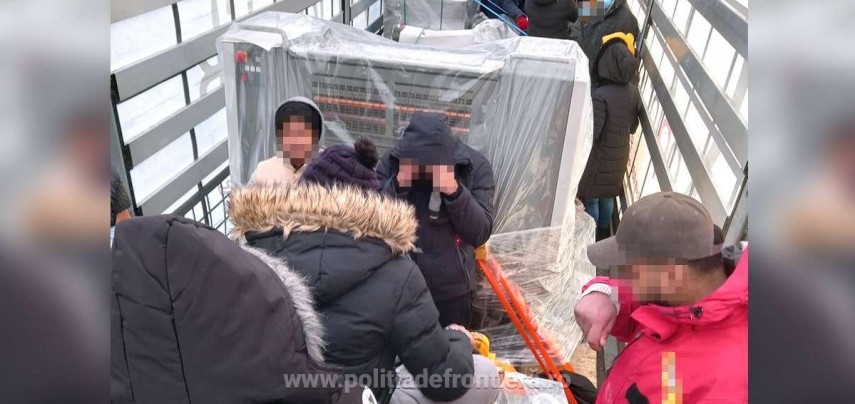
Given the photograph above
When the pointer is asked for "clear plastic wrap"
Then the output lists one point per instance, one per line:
(429, 14)
(548, 267)
(523, 102)
(491, 30)
(518, 388)
(486, 31)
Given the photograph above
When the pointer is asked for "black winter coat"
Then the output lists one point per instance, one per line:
(618, 19)
(465, 221)
(350, 246)
(616, 104)
(497, 8)
(196, 318)
(551, 18)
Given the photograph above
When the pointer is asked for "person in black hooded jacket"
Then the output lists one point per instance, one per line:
(196, 318)
(351, 243)
(616, 104)
(551, 18)
(451, 187)
(618, 18)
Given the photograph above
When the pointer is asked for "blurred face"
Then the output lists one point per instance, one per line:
(298, 139)
(843, 157)
(656, 283)
(89, 147)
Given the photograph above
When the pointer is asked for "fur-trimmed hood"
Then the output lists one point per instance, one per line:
(191, 306)
(304, 304)
(306, 207)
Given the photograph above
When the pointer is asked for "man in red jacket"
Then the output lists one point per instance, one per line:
(685, 321)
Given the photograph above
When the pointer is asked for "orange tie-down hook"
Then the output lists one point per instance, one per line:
(514, 304)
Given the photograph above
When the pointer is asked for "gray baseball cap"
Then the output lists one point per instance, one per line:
(665, 225)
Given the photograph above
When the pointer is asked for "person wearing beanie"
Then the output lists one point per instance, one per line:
(345, 165)
(299, 126)
(451, 187)
(351, 244)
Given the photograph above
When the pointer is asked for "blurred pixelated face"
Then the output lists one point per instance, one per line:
(655, 282)
(298, 138)
(843, 155)
(593, 10)
(87, 144)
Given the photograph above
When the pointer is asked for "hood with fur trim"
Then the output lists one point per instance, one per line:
(306, 207)
(190, 306)
(304, 304)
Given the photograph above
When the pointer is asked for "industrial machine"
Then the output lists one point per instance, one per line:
(523, 102)
(484, 32)
(429, 14)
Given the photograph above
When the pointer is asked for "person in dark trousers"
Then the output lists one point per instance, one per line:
(451, 187)
(616, 104)
(196, 318)
(351, 243)
(511, 9)
(551, 18)
(618, 18)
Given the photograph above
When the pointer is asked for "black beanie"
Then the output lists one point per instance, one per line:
(428, 140)
(345, 165)
(301, 109)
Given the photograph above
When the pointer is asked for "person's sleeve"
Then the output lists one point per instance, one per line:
(119, 199)
(512, 9)
(600, 114)
(388, 181)
(637, 116)
(625, 327)
(426, 348)
(574, 12)
(471, 210)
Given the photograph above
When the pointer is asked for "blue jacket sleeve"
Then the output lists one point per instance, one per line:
(471, 210)
(511, 9)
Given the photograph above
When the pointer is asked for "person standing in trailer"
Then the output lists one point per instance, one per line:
(299, 127)
(551, 18)
(617, 18)
(451, 187)
(682, 313)
(616, 104)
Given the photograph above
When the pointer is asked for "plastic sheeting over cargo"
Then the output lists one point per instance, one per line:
(548, 268)
(486, 31)
(524, 103)
(429, 14)
(518, 388)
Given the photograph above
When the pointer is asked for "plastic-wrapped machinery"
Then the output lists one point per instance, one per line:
(523, 102)
(428, 14)
(549, 267)
(486, 31)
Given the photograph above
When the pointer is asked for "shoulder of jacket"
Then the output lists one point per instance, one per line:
(399, 268)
